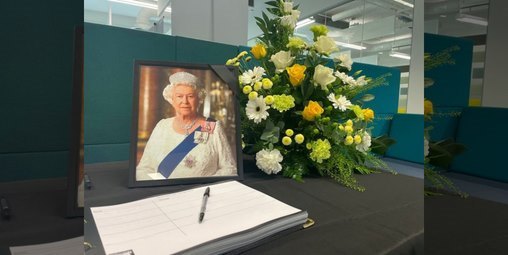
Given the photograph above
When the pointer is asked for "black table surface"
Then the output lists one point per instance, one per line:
(38, 210)
(385, 219)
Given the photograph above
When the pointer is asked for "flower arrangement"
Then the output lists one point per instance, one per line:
(301, 112)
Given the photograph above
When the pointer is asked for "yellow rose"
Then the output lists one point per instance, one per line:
(296, 74)
(286, 140)
(428, 108)
(258, 51)
(299, 138)
(312, 110)
(368, 114)
(349, 140)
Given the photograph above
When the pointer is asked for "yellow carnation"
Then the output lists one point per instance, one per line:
(247, 89)
(253, 95)
(320, 150)
(269, 100)
(357, 139)
(299, 138)
(349, 140)
(286, 140)
(296, 43)
(258, 51)
(368, 114)
(257, 85)
(312, 110)
(267, 83)
(296, 74)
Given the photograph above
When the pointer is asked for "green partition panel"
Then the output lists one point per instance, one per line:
(407, 130)
(36, 86)
(444, 123)
(454, 79)
(110, 53)
(381, 124)
(482, 130)
(387, 96)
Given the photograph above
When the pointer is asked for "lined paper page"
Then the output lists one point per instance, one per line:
(169, 223)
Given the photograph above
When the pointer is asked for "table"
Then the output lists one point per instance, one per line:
(385, 219)
(38, 210)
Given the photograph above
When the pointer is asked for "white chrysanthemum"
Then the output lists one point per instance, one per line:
(256, 109)
(269, 161)
(323, 76)
(341, 102)
(252, 76)
(345, 61)
(425, 147)
(365, 144)
(345, 78)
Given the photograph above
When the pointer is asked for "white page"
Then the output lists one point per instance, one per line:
(73, 246)
(167, 224)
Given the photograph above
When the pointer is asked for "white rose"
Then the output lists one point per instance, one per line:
(325, 45)
(288, 7)
(291, 19)
(281, 60)
(269, 161)
(323, 76)
(345, 61)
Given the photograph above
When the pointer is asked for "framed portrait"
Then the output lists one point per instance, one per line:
(75, 176)
(185, 124)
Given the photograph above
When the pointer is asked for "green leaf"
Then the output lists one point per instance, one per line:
(367, 97)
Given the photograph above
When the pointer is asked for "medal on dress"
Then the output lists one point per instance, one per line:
(200, 137)
(208, 127)
(189, 161)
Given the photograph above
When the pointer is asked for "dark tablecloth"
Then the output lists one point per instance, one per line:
(38, 211)
(385, 219)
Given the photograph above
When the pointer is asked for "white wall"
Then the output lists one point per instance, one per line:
(495, 84)
(415, 90)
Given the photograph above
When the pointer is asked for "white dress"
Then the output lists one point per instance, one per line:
(212, 158)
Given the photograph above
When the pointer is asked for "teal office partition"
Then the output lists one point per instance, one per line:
(198, 51)
(387, 95)
(36, 90)
(449, 79)
(407, 130)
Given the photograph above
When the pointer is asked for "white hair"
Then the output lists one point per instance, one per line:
(186, 79)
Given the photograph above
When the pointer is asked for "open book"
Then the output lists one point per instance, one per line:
(236, 216)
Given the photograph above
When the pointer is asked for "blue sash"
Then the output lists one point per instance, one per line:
(174, 157)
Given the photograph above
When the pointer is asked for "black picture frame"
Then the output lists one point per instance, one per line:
(75, 176)
(149, 108)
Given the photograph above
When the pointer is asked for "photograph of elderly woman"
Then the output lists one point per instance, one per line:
(186, 124)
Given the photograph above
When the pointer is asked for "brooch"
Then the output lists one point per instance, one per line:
(208, 127)
(189, 161)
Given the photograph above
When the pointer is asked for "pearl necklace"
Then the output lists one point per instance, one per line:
(187, 127)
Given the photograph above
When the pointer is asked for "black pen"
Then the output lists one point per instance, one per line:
(203, 204)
